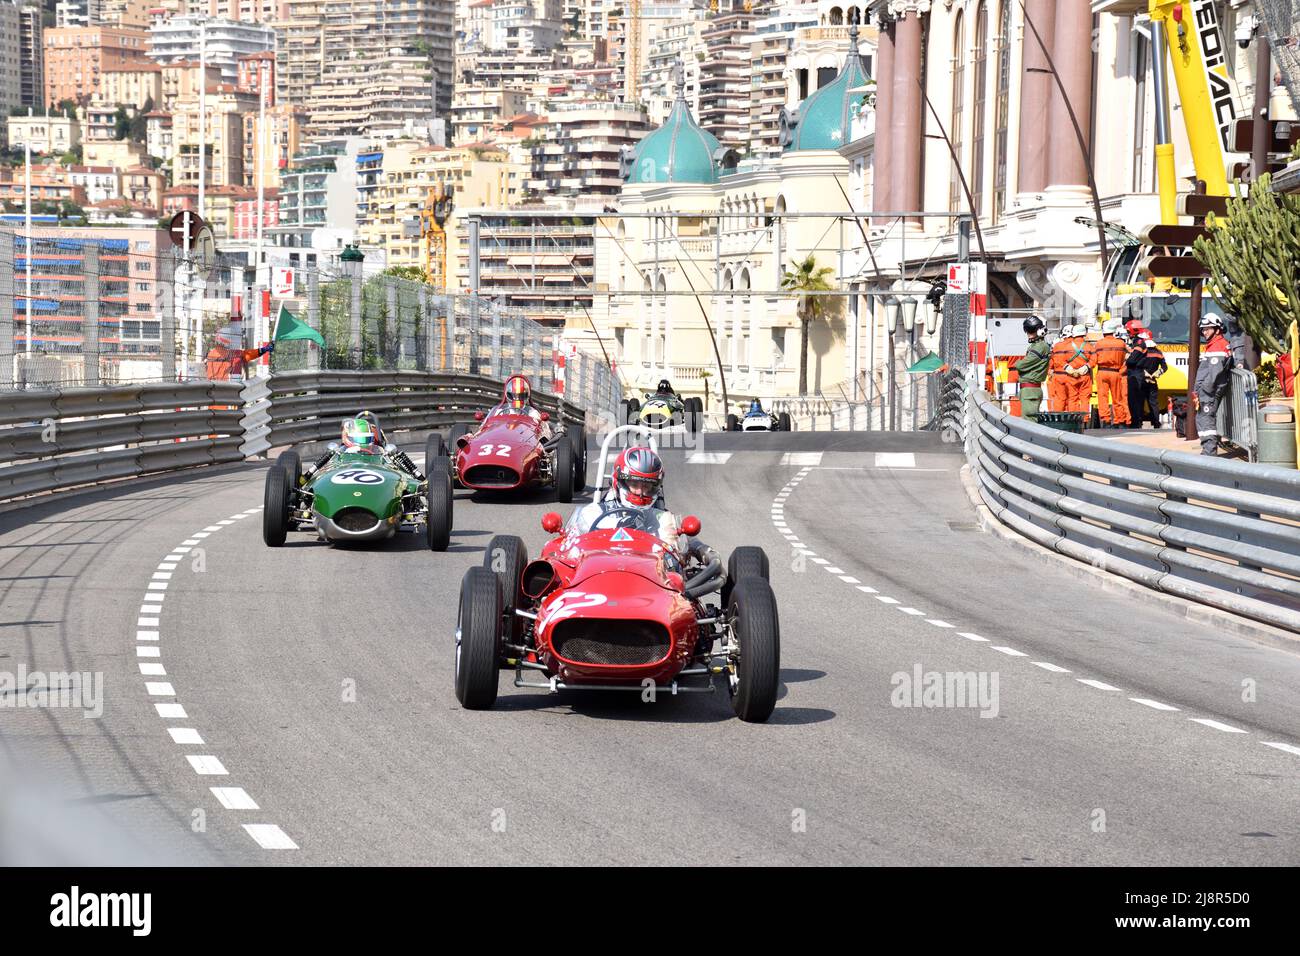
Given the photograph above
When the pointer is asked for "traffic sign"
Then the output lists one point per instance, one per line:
(1172, 235)
(1192, 204)
(185, 227)
(1175, 267)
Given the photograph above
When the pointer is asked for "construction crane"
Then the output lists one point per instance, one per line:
(433, 229)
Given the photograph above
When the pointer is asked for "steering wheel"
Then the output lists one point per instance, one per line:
(637, 523)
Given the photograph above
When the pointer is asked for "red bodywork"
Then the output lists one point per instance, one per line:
(505, 453)
(615, 613)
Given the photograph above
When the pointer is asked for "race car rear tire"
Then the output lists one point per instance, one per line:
(733, 423)
(441, 499)
(434, 447)
(631, 409)
(457, 430)
(783, 422)
(478, 639)
(692, 412)
(745, 562)
(292, 465)
(564, 472)
(578, 438)
(275, 506)
(507, 556)
(758, 632)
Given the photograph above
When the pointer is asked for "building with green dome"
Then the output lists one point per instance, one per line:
(823, 120)
(679, 151)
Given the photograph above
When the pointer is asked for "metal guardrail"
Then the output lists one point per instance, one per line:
(1221, 532)
(1238, 415)
(63, 438)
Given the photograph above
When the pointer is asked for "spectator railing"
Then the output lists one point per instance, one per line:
(1221, 532)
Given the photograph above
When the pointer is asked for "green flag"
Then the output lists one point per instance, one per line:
(288, 329)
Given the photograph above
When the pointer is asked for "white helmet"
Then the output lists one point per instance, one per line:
(1111, 326)
(1073, 331)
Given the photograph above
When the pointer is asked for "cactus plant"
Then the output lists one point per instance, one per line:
(1253, 256)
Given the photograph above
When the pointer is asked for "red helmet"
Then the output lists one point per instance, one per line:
(638, 477)
(1134, 327)
(517, 393)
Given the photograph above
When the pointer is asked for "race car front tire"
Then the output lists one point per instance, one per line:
(506, 556)
(733, 423)
(783, 422)
(275, 506)
(292, 465)
(632, 410)
(758, 632)
(441, 499)
(434, 447)
(745, 562)
(478, 639)
(564, 472)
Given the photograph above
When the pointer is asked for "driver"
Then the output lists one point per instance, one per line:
(359, 437)
(637, 486)
(755, 408)
(664, 387)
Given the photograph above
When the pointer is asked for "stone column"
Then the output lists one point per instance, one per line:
(905, 121)
(1072, 51)
(1036, 92)
(881, 161)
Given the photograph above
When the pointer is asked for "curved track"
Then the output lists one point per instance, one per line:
(319, 680)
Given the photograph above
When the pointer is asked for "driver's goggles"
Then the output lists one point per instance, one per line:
(642, 487)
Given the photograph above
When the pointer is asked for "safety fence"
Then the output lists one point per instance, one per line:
(55, 439)
(1221, 532)
(1237, 417)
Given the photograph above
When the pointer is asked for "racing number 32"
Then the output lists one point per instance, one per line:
(488, 449)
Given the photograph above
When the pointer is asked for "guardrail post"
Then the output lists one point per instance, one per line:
(166, 295)
(394, 324)
(7, 356)
(449, 311)
(90, 313)
(355, 315)
(313, 317)
(426, 362)
(495, 364)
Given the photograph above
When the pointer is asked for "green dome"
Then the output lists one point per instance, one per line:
(677, 152)
(822, 120)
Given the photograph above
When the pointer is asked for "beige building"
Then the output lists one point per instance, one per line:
(137, 86)
(118, 153)
(46, 134)
(180, 81)
(475, 109)
(223, 140)
(269, 142)
(578, 153)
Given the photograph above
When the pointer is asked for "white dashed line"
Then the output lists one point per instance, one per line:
(145, 650)
(866, 589)
(210, 528)
(157, 585)
(151, 669)
(146, 622)
(159, 689)
(185, 735)
(150, 608)
(167, 566)
(234, 798)
(912, 611)
(200, 534)
(972, 637)
(885, 600)
(1289, 748)
(848, 579)
(1050, 667)
(206, 765)
(820, 561)
(190, 542)
(1153, 704)
(146, 635)
(269, 836)
(834, 570)
(895, 459)
(170, 711)
(1095, 683)
(1216, 725)
(1009, 651)
(802, 458)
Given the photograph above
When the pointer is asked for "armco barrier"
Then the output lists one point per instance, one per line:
(63, 438)
(1222, 532)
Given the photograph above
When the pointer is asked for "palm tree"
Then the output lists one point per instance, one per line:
(807, 277)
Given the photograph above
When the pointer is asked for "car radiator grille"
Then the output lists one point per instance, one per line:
(610, 642)
(355, 519)
(491, 476)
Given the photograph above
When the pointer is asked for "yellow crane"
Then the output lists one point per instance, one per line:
(433, 228)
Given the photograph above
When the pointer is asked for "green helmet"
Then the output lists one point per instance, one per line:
(360, 434)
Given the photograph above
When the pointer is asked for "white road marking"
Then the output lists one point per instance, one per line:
(972, 637)
(145, 650)
(866, 589)
(206, 765)
(834, 570)
(1050, 667)
(157, 585)
(190, 542)
(225, 521)
(146, 622)
(912, 611)
(820, 561)
(167, 566)
(185, 735)
(708, 458)
(848, 579)
(212, 527)
(1281, 746)
(162, 575)
(170, 711)
(253, 511)
(1227, 729)
(802, 458)
(1153, 704)
(937, 623)
(895, 459)
(159, 689)
(1095, 683)
(150, 608)
(200, 534)
(146, 635)
(181, 551)
(1009, 651)
(152, 669)
(243, 515)
(234, 798)
(269, 836)
(885, 600)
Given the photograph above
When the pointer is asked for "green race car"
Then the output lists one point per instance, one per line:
(356, 496)
(664, 408)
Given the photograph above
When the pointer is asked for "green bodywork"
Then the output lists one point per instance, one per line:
(360, 481)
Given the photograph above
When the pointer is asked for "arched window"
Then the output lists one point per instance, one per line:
(837, 17)
(1001, 111)
(978, 104)
(956, 201)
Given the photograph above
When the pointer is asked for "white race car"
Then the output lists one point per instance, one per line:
(758, 420)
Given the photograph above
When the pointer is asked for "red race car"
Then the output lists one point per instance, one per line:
(516, 447)
(615, 609)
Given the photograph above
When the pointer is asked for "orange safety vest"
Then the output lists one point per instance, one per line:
(1060, 355)
(1110, 353)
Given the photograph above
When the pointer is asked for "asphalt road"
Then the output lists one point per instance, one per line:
(316, 688)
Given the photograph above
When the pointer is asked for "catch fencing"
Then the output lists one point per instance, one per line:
(1221, 532)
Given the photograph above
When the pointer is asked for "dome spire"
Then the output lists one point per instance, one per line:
(679, 78)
